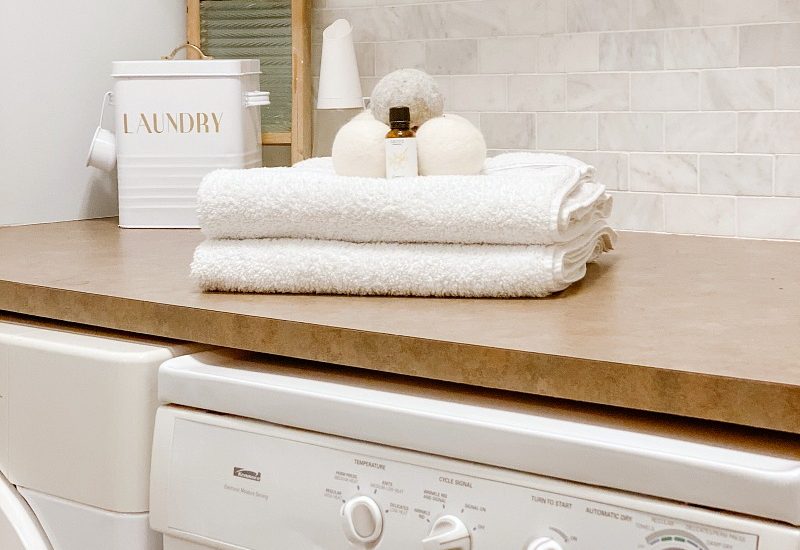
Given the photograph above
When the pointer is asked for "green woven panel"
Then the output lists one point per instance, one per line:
(260, 29)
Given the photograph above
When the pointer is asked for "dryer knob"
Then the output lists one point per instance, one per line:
(544, 543)
(362, 520)
(448, 533)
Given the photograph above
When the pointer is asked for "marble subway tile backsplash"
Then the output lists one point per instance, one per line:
(549, 17)
(689, 109)
(701, 48)
(569, 53)
(666, 173)
(571, 131)
(509, 130)
(708, 132)
(787, 176)
(769, 218)
(787, 89)
(390, 56)
(726, 12)
(737, 90)
(769, 45)
(478, 93)
(703, 215)
(659, 14)
(638, 211)
(537, 92)
(612, 168)
(631, 132)
(769, 132)
(665, 91)
(736, 174)
(597, 15)
(632, 51)
(451, 56)
(493, 55)
(598, 92)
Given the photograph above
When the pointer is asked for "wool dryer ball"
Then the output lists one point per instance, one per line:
(359, 148)
(410, 88)
(450, 145)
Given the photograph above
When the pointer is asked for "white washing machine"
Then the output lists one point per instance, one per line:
(268, 454)
(77, 408)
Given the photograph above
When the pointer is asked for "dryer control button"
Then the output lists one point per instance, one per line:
(544, 543)
(448, 533)
(362, 520)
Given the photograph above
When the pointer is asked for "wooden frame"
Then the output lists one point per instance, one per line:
(300, 138)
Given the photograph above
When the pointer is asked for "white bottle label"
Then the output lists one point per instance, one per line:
(401, 157)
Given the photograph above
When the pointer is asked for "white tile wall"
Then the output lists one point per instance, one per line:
(631, 131)
(704, 215)
(700, 48)
(788, 10)
(737, 90)
(725, 12)
(787, 89)
(451, 56)
(493, 54)
(537, 92)
(598, 92)
(658, 14)
(769, 218)
(568, 52)
(672, 173)
(596, 15)
(478, 93)
(508, 130)
(665, 91)
(736, 174)
(710, 132)
(557, 131)
(632, 51)
(638, 211)
(787, 176)
(689, 109)
(769, 45)
(549, 17)
(612, 168)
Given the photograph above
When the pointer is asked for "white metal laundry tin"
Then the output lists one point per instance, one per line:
(177, 120)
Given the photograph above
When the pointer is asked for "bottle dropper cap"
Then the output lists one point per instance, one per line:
(399, 114)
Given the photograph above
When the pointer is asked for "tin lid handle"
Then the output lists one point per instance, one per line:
(108, 99)
(256, 99)
(184, 46)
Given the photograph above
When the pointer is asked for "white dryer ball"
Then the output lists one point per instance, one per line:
(410, 88)
(366, 114)
(450, 145)
(359, 148)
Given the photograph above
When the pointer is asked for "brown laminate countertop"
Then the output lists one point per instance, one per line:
(701, 327)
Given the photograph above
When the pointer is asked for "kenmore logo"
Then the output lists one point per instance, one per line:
(246, 474)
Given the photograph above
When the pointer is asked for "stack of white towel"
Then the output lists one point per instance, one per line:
(526, 227)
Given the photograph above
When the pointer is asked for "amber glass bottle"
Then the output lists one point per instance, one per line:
(401, 145)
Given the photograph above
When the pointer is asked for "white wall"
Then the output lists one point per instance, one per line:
(55, 68)
(689, 109)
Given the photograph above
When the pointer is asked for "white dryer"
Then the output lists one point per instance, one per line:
(260, 453)
(77, 407)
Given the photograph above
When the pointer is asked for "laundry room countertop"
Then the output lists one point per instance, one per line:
(701, 327)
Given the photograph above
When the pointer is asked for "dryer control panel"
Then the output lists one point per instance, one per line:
(229, 482)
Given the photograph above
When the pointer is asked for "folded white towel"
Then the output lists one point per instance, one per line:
(516, 161)
(521, 161)
(397, 269)
(554, 203)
